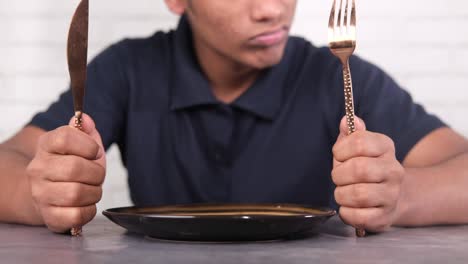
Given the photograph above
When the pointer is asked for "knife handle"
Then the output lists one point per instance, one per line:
(79, 120)
(76, 231)
(360, 232)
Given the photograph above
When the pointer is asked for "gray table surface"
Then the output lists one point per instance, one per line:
(104, 242)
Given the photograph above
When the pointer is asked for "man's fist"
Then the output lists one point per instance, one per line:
(368, 178)
(66, 175)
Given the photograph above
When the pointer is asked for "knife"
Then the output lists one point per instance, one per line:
(77, 55)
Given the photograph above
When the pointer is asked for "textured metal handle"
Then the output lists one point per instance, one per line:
(79, 120)
(349, 99)
(349, 108)
(77, 231)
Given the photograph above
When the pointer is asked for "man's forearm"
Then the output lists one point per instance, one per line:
(435, 195)
(16, 204)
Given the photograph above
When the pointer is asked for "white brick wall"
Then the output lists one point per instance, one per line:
(422, 43)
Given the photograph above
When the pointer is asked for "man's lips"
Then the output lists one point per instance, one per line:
(270, 38)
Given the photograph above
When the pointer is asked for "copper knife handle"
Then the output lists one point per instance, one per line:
(77, 231)
(79, 120)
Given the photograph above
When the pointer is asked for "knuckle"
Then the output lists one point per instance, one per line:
(379, 227)
(360, 193)
(100, 175)
(345, 215)
(361, 168)
(94, 149)
(34, 169)
(382, 223)
(72, 167)
(395, 172)
(43, 139)
(76, 217)
(60, 139)
(389, 143)
(52, 224)
(338, 196)
(335, 150)
(90, 213)
(335, 176)
(394, 195)
(99, 195)
(73, 194)
(82, 215)
(360, 143)
(399, 172)
(53, 220)
(36, 193)
(361, 219)
(34, 172)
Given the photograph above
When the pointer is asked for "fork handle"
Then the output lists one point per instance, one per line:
(349, 108)
(349, 98)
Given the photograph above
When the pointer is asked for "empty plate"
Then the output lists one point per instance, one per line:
(220, 222)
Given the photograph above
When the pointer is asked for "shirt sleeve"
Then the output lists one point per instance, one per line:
(388, 109)
(105, 98)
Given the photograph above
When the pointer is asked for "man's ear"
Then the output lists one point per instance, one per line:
(176, 6)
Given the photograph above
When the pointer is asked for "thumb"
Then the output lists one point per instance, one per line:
(89, 127)
(344, 131)
(358, 123)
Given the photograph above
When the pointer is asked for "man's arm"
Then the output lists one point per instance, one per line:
(16, 203)
(53, 178)
(433, 190)
(376, 191)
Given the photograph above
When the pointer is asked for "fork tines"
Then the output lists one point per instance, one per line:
(342, 25)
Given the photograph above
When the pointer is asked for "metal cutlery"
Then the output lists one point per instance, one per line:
(342, 42)
(77, 55)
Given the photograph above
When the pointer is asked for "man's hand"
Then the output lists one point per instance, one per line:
(368, 178)
(66, 175)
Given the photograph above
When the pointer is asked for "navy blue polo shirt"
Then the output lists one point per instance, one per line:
(273, 144)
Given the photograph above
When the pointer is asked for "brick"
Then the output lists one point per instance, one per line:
(139, 28)
(438, 90)
(410, 60)
(442, 32)
(18, 115)
(459, 60)
(454, 116)
(33, 89)
(33, 59)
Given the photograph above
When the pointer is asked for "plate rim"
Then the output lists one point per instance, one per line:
(116, 211)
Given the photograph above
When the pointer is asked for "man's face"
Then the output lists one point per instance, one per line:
(250, 32)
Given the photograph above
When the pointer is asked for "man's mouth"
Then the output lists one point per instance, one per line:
(270, 38)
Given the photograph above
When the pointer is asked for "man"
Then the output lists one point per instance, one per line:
(227, 108)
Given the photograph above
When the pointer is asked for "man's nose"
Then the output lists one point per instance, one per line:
(267, 10)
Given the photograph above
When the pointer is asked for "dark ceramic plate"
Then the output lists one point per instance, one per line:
(220, 222)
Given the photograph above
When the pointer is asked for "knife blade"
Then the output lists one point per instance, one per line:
(77, 56)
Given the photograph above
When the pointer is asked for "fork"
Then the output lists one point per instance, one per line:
(342, 41)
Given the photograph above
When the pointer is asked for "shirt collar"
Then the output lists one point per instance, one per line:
(191, 87)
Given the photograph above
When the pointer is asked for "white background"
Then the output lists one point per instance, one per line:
(423, 44)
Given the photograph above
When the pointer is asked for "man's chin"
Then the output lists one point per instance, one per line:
(264, 63)
(268, 58)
